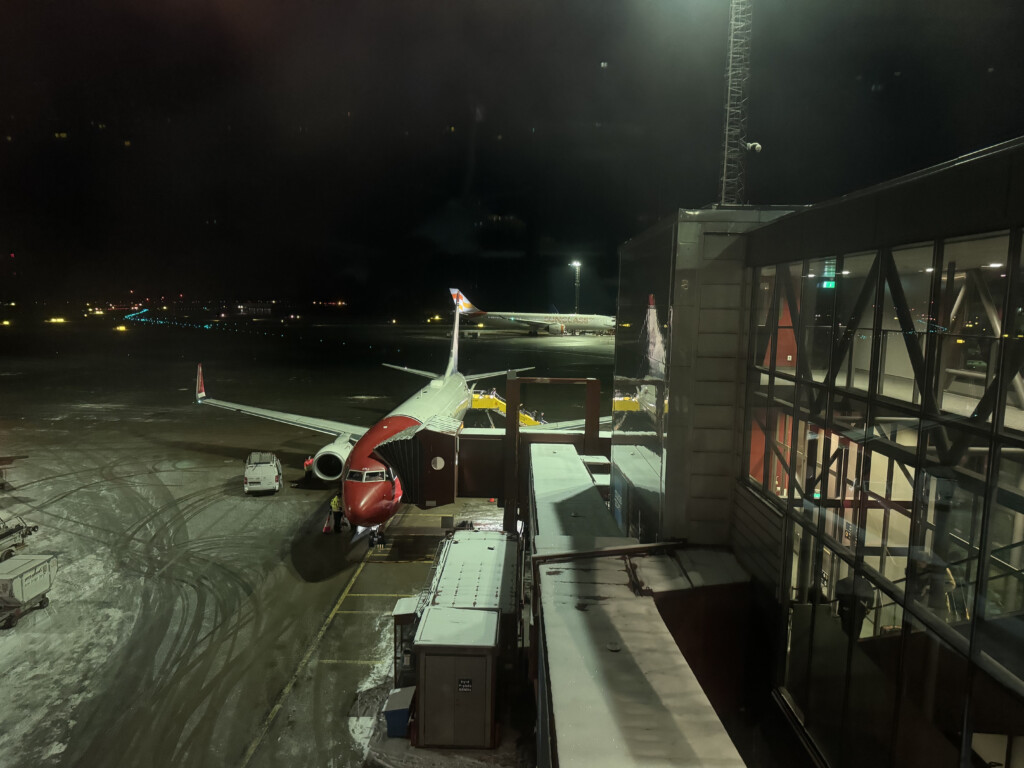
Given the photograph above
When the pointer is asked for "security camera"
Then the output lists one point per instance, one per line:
(754, 146)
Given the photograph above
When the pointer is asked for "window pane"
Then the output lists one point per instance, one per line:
(758, 411)
(818, 310)
(970, 310)
(763, 327)
(1001, 634)
(789, 295)
(913, 271)
(931, 708)
(826, 687)
(943, 563)
(1013, 416)
(874, 676)
(780, 424)
(855, 320)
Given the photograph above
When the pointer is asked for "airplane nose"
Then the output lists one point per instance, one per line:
(367, 504)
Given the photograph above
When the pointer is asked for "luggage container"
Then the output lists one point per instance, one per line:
(13, 533)
(24, 582)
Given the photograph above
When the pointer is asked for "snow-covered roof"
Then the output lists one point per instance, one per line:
(569, 512)
(476, 569)
(621, 691)
(456, 627)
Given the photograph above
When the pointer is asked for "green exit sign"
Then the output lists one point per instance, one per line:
(828, 283)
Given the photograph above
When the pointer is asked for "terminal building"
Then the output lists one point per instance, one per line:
(801, 543)
(833, 395)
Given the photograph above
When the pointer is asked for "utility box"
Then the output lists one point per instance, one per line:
(405, 618)
(396, 712)
(456, 652)
(24, 582)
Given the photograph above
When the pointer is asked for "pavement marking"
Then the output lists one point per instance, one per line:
(375, 613)
(351, 661)
(265, 728)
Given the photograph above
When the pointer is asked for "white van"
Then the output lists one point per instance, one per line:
(262, 473)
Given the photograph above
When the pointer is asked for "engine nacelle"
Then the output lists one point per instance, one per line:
(330, 460)
(556, 329)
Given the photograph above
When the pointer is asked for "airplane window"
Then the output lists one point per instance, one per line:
(372, 477)
(354, 474)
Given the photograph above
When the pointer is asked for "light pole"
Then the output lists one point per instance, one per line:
(576, 266)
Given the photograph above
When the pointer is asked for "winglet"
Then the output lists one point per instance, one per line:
(200, 387)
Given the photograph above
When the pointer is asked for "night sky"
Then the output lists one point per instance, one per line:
(379, 152)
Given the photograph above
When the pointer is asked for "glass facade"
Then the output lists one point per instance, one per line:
(885, 419)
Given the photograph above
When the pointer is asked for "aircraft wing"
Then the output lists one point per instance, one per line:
(407, 369)
(573, 425)
(326, 426)
(506, 372)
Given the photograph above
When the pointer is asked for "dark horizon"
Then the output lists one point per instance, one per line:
(383, 154)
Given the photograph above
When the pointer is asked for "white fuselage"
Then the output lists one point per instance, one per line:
(534, 321)
(443, 396)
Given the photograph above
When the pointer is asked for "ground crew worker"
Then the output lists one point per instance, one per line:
(337, 510)
(307, 465)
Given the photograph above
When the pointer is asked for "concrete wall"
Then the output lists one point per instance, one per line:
(703, 435)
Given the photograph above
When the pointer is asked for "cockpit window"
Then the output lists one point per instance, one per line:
(369, 476)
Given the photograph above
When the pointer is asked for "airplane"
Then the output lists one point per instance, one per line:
(371, 490)
(554, 323)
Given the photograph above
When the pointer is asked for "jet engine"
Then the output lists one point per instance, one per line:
(330, 460)
(556, 329)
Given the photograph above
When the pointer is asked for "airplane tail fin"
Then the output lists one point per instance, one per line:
(200, 386)
(453, 359)
(464, 305)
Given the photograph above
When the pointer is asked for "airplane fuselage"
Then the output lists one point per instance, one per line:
(551, 322)
(371, 490)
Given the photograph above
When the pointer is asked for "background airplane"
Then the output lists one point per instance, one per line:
(371, 488)
(534, 322)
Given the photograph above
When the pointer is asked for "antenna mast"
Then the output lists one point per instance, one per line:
(737, 72)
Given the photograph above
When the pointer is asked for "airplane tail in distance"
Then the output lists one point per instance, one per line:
(464, 305)
(200, 386)
(453, 358)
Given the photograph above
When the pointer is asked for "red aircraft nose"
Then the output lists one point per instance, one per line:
(368, 504)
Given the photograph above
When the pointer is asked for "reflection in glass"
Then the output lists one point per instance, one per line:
(971, 306)
(826, 684)
(855, 321)
(789, 310)
(762, 320)
(1001, 633)
(757, 410)
(913, 280)
(943, 559)
(818, 300)
(932, 704)
(874, 678)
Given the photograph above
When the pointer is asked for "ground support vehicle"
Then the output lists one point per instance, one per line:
(13, 533)
(262, 473)
(24, 582)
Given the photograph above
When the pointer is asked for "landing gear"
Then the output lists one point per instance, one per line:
(376, 538)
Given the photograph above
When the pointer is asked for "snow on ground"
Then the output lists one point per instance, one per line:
(362, 728)
(49, 645)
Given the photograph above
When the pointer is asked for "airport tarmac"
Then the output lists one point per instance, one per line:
(191, 624)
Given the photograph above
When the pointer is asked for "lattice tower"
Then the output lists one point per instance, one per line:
(734, 149)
